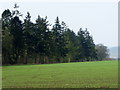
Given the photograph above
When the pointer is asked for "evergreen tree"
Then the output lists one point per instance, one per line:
(86, 47)
(7, 38)
(81, 45)
(17, 32)
(42, 38)
(71, 45)
(28, 32)
(90, 51)
(16, 29)
(59, 50)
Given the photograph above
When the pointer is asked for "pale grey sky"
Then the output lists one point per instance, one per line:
(101, 18)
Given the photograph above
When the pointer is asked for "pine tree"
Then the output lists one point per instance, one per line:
(71, 45)
(86, 47)
(43, 38)
(90, 51)
(7, 38)
(59, 50)
(81, 45)
(28, 28)
(16, 29)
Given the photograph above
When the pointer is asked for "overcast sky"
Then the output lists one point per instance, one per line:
(101, 18)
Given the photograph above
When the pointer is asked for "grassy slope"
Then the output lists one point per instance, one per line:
(100, 74)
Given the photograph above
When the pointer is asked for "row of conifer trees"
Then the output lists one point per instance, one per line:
(27, 42)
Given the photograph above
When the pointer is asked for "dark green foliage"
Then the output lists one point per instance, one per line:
(7, 38)
(59, 49)
(86, 48)
(42, 39)
(81, 43)
(28, 28)
(71, 45)
(27, 42)
(17, 32)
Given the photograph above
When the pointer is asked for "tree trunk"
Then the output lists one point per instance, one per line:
(26, 59)
(44, 59)
(69, 60)
(47, 60)
(35, 59)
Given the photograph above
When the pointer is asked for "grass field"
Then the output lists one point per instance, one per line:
(99, 74)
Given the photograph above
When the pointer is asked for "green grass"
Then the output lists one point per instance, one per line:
(99, 74)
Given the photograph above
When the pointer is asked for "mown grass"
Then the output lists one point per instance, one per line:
(99, 74)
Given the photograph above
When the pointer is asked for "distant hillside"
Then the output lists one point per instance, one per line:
(113, 52)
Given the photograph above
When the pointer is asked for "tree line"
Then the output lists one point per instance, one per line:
(26, 42)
